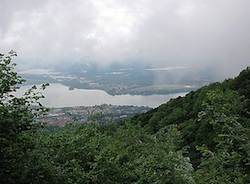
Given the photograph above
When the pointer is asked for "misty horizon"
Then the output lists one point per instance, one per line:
(194, 33)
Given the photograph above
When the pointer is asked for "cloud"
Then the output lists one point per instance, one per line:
(165, 33)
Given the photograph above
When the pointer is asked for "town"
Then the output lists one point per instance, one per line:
(91, 114)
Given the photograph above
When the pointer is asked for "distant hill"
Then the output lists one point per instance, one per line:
(134, 79)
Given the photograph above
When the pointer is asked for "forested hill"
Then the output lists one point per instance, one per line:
(206, 115)
(182, 109)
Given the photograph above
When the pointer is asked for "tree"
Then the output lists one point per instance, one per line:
(226, 159)
(17, 114)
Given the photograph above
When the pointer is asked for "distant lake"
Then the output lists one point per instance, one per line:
(58, 95)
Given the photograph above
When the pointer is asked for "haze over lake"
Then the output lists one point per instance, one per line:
(58, 95)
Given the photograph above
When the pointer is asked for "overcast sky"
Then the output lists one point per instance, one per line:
(161, 32)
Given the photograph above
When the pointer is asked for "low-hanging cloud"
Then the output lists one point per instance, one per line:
(165, 33)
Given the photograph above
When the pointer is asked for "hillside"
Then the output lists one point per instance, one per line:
(201, 115)
(201, 138)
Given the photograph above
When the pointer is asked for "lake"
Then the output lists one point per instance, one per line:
(58, 95)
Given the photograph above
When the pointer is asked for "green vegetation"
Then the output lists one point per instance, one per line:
(214, 124)
(200, 138)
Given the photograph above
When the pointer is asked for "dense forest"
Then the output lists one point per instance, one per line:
(200, 138)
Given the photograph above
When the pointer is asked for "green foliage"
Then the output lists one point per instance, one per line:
(214, 124)
(83, 154)
(17, 114)
(227, 162)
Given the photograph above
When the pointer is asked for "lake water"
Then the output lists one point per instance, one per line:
(58, 95)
